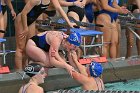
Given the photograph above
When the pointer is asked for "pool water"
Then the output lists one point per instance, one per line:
(131, 85)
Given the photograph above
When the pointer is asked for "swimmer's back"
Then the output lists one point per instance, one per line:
(31, 88)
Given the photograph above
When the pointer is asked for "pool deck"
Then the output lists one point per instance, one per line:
(118, 70)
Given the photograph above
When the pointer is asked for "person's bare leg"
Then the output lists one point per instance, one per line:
(138, 32)
(2, 25)
(31, 33)
(105, 20)
(130, 42)
(74, 15)
(20, 43)
(138, 42)
(37, 54)
(4, 19)
(119, 37)
(114, 41)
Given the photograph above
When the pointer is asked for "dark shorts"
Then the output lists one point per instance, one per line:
(78, 10)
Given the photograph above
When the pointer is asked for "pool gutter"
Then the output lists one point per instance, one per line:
(117, 70)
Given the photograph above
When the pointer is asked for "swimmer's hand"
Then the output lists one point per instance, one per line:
(74, 55)
(72, 24)
(23, 34)
(13, 14)
(70, 69)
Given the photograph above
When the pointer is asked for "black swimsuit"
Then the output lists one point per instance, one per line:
(35, 12)
(4, 9)
(50, 13)
(40, 42)
(80, 11)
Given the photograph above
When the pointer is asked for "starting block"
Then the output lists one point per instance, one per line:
(89, 60)
(4, 69)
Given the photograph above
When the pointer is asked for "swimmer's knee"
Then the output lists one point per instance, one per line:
(106, 44)
(19, 50)
(114, 43)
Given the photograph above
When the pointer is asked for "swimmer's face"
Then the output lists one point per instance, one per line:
(42, 74)
(72, 46)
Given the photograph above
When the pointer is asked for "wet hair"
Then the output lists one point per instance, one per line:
(32, 69)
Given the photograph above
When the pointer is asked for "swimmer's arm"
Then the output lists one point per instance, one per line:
(80, 67)
(122, 9)
(54, 56)
(80, 77)
(102, 84)
(61, 11)
(71, 60)
(105, 6)
(29, 5)
(8, 2)
(64, 3)
(115, 4)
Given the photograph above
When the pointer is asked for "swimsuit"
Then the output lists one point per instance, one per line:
(50, 13)
(112, 15)
(132, 7)
(4, 9)
(25, 88)
(35, 12)
(40, 42)
(80, 11)
(89, 12)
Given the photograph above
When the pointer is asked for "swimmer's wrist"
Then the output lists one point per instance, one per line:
(73, 4)
(116, 11)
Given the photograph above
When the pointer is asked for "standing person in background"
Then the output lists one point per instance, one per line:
(37, 74)
(51, 12)
(107, 17)
(119, 32)
(91, 8)
(3, 15)
(134, 7)
(24, 22)
(76, 10)
(88, 77)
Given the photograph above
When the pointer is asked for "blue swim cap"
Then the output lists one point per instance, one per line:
(74, 38)
(95, 69)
